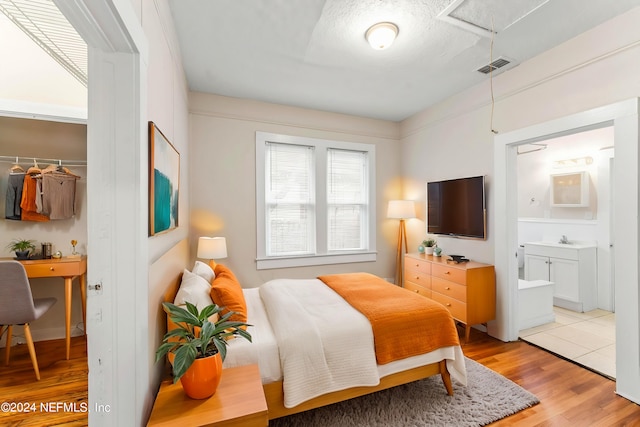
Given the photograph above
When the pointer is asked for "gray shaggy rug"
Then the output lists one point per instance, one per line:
(488, 397)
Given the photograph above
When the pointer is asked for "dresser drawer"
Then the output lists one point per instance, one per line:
(448, 273)
(414, 287)
(417, 265)
(419, 277)
(451, 289)
(458, 309)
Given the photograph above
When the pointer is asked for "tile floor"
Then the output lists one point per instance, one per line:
(586, 338)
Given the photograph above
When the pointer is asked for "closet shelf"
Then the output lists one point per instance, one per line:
(40, 160)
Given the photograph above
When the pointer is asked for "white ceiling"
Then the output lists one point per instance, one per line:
(313, 54)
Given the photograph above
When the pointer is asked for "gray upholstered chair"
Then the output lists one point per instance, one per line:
(17, 306)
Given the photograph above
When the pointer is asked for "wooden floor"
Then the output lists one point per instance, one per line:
(569, 395)
(61, 382)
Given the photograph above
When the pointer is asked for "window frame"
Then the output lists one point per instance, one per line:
(322, 255)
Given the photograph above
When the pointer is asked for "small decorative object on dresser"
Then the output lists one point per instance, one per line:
(196, 342)
(468, 289)
(22, 247)
(429, 243)
(437, 251)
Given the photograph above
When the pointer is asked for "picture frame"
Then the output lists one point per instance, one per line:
(164, 182)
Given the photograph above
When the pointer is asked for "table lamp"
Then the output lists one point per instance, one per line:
(401, 209)
(212, 248)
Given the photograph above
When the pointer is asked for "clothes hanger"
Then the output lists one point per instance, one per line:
(16, 168)
(35, 169)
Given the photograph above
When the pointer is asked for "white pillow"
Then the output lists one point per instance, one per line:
(204, 270)
(194, 289)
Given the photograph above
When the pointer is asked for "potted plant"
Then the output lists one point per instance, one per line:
(198, 346)
(429, 243)
(21, 247)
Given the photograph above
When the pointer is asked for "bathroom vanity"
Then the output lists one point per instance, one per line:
(572, 267)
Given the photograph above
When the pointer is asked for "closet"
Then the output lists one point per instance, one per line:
(55, 146)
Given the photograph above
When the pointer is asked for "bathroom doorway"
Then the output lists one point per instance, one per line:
(581, 326)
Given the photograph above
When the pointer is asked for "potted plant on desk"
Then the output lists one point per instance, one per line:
(21, 247)
(198, 346)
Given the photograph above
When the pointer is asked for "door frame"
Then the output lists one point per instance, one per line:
(117, 159)
(623, 116)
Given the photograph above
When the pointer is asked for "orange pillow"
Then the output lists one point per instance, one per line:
(227, 292)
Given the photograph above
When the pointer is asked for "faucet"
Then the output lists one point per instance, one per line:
(564, 240)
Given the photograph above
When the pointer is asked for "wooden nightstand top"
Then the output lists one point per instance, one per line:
(239, 401)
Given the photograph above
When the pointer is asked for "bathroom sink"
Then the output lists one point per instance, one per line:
(574, 244)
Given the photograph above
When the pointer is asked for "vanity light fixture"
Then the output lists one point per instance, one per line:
(381, 35)
(580, 161)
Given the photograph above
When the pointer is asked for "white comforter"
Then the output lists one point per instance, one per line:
(325, 345)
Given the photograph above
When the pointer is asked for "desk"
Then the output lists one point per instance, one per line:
(68, 269)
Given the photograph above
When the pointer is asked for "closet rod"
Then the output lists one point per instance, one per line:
(59, 162)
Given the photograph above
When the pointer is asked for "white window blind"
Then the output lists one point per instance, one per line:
(290, 204)
(347, 199)
(315, 201)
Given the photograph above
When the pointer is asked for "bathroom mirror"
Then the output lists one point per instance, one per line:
(570, 189)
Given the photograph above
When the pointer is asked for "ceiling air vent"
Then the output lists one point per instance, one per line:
(498, 63)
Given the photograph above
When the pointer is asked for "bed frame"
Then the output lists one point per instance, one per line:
(274, 392)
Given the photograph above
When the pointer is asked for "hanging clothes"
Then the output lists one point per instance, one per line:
(14, 195)
(58, 194)
(28, 202)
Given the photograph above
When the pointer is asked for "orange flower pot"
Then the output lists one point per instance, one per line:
(202, 378)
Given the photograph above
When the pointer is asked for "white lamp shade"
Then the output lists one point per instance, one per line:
(212, 248)
(401, 209)
(381, 35)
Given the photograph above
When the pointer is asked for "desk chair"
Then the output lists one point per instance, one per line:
(17, 306)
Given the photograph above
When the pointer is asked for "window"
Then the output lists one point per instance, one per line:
(315, 201)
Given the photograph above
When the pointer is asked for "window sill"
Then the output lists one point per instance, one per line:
(303, 261)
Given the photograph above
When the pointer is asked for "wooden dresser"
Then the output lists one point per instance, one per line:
(467, 289)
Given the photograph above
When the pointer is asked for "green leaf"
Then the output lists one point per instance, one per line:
(185, 356)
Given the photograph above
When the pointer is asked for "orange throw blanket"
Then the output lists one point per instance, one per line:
(404, 324)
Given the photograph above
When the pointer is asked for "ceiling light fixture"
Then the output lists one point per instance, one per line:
(381, 35)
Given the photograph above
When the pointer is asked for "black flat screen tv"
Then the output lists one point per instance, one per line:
(456, 207)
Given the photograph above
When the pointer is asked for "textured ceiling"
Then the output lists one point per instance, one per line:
(313, 54)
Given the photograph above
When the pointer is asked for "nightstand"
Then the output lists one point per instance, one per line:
(238, 401)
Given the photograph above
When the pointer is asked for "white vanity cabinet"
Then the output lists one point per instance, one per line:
(571, 267)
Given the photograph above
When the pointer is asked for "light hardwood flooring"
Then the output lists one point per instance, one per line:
(569, 394)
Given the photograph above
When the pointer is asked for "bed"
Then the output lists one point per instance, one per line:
(314, 348)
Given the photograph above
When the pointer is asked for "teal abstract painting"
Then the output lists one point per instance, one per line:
(164, 182)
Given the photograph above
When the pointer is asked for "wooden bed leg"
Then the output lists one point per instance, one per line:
(446, 377)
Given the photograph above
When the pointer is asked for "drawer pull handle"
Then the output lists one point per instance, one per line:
(448, 304)
(417, 291)
(51, 268)
(417, 265)
(417, 277)
(446, 272)
(447, 288)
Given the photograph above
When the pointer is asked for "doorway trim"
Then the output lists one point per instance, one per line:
(624, 117)
(117, 312)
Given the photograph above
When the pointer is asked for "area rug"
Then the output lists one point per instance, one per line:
(488, 397)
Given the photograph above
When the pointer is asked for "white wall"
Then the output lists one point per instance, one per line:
(455, 137)
(535, 168)
(223, 177)
(167, 108)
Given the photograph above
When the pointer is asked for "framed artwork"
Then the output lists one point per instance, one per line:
(164, 182)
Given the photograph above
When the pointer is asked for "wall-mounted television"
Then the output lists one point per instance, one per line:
(456, 207)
